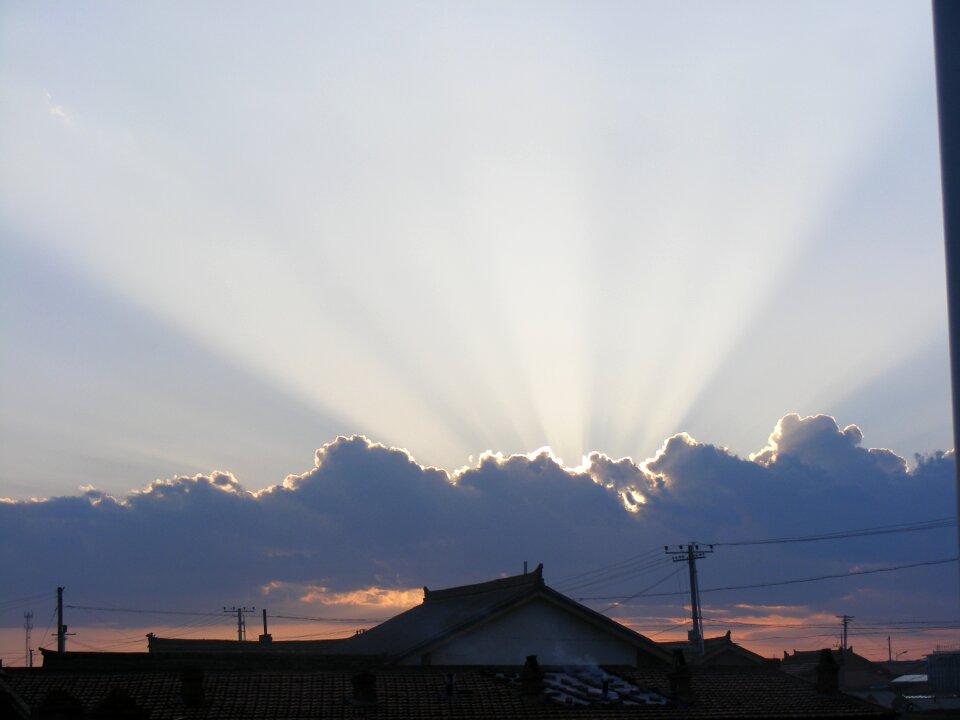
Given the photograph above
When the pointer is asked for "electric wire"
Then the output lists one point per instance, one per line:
(644, 561)
(793, 581)
(143, 611)
(606, 579)
(666, 577)
(642, 557)
(922, 525)
(326, 619)
(49, 623)
(12, 602)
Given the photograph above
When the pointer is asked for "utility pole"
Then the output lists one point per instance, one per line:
(845, 619)
(28, 626)
(946, 29)
(241, 623)
(690, 553)
(61, 628)
(889, 650)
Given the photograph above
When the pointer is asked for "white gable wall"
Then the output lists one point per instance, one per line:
(554, 635)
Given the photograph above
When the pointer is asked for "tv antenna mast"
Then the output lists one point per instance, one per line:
(27, 627)
(241, 621)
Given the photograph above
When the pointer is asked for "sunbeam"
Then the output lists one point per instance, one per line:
(505, 228)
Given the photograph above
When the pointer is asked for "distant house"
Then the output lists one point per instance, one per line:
(943, 670)
(717, 651)
(856, 671)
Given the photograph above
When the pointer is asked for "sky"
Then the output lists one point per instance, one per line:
(357, 298)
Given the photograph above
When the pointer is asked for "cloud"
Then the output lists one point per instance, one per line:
(56, 110)
(367, 523)
(818, 442)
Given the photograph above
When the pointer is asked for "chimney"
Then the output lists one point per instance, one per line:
(531, 680)
(191, 687)
(364, 688)
(266, 637)
(828, 674)
(679, 677)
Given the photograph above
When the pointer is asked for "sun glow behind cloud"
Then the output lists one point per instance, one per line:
(502, 227)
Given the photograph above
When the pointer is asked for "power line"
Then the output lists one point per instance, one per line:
(317, 634)
(650, 587)
(920, 623)
(142, 611)
(614, 576)
(49, 623)
(12, 602)
(793, 581)
(564, 580)
(325, 619)
(642, 562)
(845, 534)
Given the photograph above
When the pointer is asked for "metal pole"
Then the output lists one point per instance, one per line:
(61, 631)
(697, 636)
(27, 626)
(690, 554)
(946, 41)
(241, 624)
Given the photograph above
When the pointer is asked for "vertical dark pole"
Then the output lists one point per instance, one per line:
(697, 635)
(946, 37)
(264, 621)
(61, 634)
(240, 624)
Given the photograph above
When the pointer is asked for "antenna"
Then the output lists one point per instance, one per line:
(28, 626)
(241, 622)
(845, 619)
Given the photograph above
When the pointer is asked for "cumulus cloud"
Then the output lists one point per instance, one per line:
(819, 443)
(368, 523)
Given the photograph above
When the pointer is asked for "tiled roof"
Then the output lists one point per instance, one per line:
(12, 707)
(421, 693)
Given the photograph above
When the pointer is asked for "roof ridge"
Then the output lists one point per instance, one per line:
(532, 579)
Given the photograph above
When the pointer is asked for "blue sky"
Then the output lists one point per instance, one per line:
(230, 234)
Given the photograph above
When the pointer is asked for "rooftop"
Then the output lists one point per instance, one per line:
(719, 692)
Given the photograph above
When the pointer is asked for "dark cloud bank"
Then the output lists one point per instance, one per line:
(368, 515)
